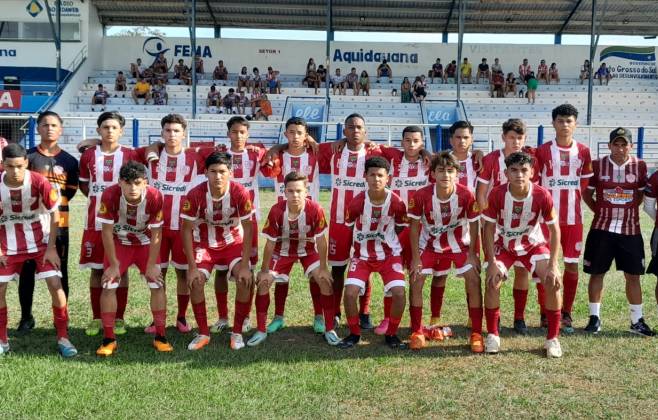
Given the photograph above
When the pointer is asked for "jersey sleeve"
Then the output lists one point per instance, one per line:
(85, 159)
(548, 209)
(325, 153)
(272, 227)
(642, 173)
(49, 195)
(190, 206)
(400, 213)
(490, 212)
(390, 153)
(354, 210)
(487, 171)
(587, 170)
(72, 169)
(107, 211)
(272, 169)
(156, 216)
(139, 154)
(595, 175)
(321, 226)
(243, 204)
(416, 204)
(472, 208)
(651, 189)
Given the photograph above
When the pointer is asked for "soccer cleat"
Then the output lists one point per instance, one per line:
(108, 348)
(382, 327)
(337, 321)
(520, 328)
(594, 324)
(120, 327)
(543, 321)
(365, 323)
(25, 325)
(182, 326)
(65, 348)
(199, 342)
(331, 338)
(349, 342)
(477, 343)
(93, 328)
(567, 323)
(219, 326)
(553, 348)
(641, 328)
(394, 342)
(257, 338)
(318, 324)
(492, 344)
(278, 323)
(417, 341)
(246, 325)
(236, 341)
(150, 329)
(4, 348)
(435, 321)
(434, 333)
(162, 345)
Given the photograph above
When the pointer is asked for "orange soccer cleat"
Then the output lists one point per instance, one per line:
(162, 346)
(433, 333)
(477, 343)
(417, 341)
(108, 349)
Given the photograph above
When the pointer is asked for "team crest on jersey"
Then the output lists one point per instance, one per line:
(53, 195)
(322, 223)
(160, 216)
(630, 178)
(247, 206)
(102, 209)
(186, 205)
(267, 223)
(412, 203)
(517, 209)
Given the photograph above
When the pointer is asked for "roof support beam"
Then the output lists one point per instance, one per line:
(218, 29)
(592, 49)
(327, 60)
(566, 22)
(192, 27)
(460, 46)
(445, 28)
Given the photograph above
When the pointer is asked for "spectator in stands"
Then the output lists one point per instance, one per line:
(137, 69)
(497, 84)
(256, 79)
(159, 93)
(322, 73)
(531, 84)
(384, 70)
(160, 61)
(584, 71)
(186, 76)
(524, 69)
(338, 82)
(483, 71)
(451, 71)
(405, 91)
(244, 79)
(242, 102)
(542, 71)
(553, 74)
(352, 81)
(179, 69)
(510, 84)
(220, 72)
(149, 74)
(603, 73)
(160, 68)
(364, 83)
(141, 90)
(310, 66)
(273, 83)
(198, 64)
(466, 71)
(99, 98)
(230, 102)
(265, 110)
(312, 80)
(214, 97)
(256, 96)
(435, 71)
(496, 67)
(419, 90)
(120, 84)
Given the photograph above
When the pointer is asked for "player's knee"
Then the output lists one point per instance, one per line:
(397, 293)
(352, 291)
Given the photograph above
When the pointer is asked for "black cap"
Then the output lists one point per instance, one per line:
(621, 133)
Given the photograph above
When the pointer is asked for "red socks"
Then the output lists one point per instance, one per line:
(436, 300)
(61, 321)
(95, 298)
(541, 298)
(122, 301)
(570, 279)
(315, 297)
(388, 303)
(416, 314)
(520, 302)
(393, 324)
(476, 319)
(3, 324)
(493, 316)
(338, 294)
(364, 301)
(107, 319)
(222, 304)
(183, 301)
(353, 323)
(201, 317)
(159, 320)
(241, 312)
(262, 305)
(553, 318)
(328, 311)
(280, 296)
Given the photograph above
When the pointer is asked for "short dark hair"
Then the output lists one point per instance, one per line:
(412, 129)
(459, 125)
(173, 119)
(377, 162)
(237, 120)
(295, 176)
(565, 110)
(132, 171)
(49, 114)
(296, 121)
(445, 159)
(518, 158)
(219, 158)
(354, 115)
(514, 124)
(111, 115)
(13, 150)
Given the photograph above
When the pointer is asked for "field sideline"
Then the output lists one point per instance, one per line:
(295, 374)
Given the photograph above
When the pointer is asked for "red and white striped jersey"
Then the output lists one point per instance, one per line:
(374, 234)
(618, 194)
(347, 170)
(444, 223)
(406, 177)
(295, 238)
(101, 170)
(561, 171)
(468, 172)
(218, 220)
(493, 169)
(25, 214)
(174, 176)
(284, 163)
(518, 222)
(132, 222)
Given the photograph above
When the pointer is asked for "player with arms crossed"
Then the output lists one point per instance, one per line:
(515, 212)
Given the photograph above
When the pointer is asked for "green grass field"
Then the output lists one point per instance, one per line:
(295, 374)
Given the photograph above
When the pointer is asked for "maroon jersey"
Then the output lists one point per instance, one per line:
(651, 190)
(295, 238)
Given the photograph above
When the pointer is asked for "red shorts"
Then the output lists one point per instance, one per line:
(128, 255)
(437, 264)
(389, 269)
(91, 250)
(12, 270)
(571, 240)
(281, 266)
(505, 259)
(208, 259)
(340, 244)
(171, 249)
(405, 243)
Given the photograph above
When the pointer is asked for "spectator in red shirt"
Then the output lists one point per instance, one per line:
(524, 69)
(553, 74)
(542, 71)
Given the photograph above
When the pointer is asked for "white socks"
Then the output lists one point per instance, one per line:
(636, 312)
(595, 309)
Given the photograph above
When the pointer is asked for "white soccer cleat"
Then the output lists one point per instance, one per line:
(246, 325)
(199, 342)
(492, 344)
(331, 338)
(219, 326)
(553, 348)
(257, 338)
(237, 342)
(4, 348)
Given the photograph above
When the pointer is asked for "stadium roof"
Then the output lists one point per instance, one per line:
(621, 17)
